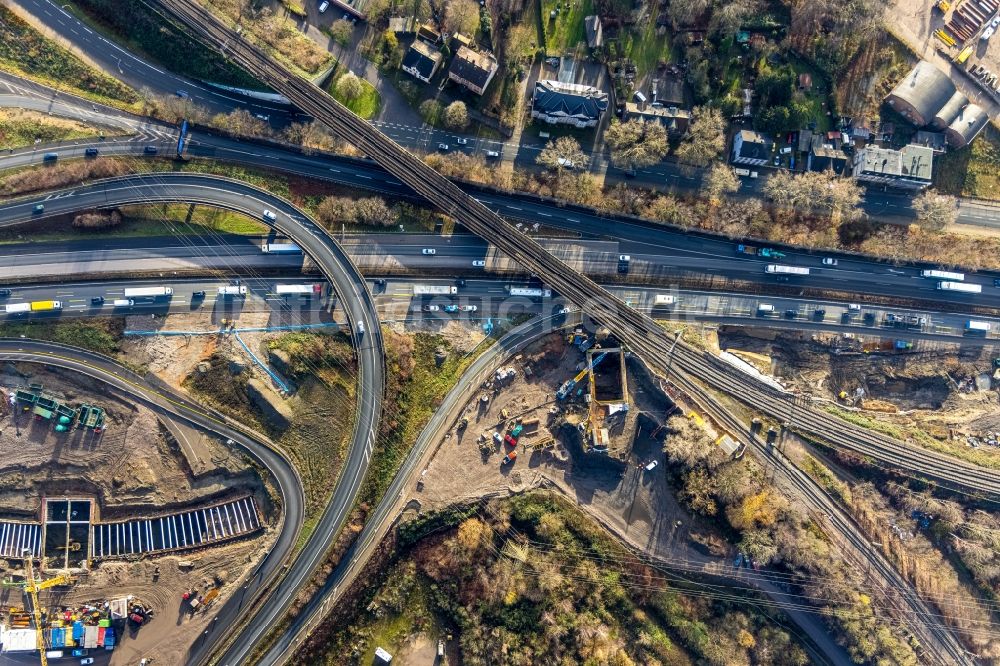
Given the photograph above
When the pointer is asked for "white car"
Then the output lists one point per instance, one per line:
(323, 6)
(829, 261)
(462, 141)
(478, 263)
(443, 147)
(431, 308)
(469, 308)
(269, 215)
(492, 154)
(428, 250)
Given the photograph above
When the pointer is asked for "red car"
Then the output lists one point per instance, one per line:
(510, 440)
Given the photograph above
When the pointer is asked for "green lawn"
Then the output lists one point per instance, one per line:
(566, 30)
(973, 171)
(646, 48)
(365, 106)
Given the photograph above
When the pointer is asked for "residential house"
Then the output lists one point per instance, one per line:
(560, 103)
(421, 61)
(472, 70)
(675, 120)
(824, 157)
(595, 35)
(750, 148)
(908, 168)
(427, 33)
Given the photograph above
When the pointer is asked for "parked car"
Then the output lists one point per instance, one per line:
(462, 141)
(38, 208)
(829, 261)
(443, 147)
(428, 250)
(323, 6)
(451, 308)
(510, 440)
(492, 154)
(431, 308)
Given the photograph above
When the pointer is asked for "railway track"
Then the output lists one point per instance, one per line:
(637, 331)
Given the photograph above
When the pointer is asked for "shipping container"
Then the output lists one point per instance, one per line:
(154, 292)
(943, 275)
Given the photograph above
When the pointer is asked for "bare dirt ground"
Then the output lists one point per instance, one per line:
(944, 390)
(631, 500)
(131, 464)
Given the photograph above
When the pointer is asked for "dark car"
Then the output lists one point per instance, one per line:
(198, 294)
(4, 293)
(996, 282)
(90, 152)
(791, 314)
(460, 282)
(819, 314)
(869, 318)
(97, 300)
(151, 150)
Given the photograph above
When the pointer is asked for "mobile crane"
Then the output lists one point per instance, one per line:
(568, 386)
(31, 588)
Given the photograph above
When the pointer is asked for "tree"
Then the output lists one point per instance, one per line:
(349, 86)
(636, 143)
(461, 16)
(687, 12)
(430, 111)
(373, 211)
(563, 153)
(241, 123)
(730, 15)
(818, 193)
(456, 116)
(934, 210)
(705, 139)
(342, 30)
(720, 179)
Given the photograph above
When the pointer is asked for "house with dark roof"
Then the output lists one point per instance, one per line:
(908, 168)
(472, 70)
(421, 61)
(674, 119)
(824, 157)
(750, 148)
(560, 103)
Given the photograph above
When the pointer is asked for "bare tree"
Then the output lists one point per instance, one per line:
(342, 30)
(816, 193)
(456, 115)
(687, 12)
(241, 123)
(705, 139)
(720, 180)
(461, 16)
(636, 143)
(935, 211)
(349, 86)
(563, 153)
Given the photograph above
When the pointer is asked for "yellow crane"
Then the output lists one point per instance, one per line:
(32, 587)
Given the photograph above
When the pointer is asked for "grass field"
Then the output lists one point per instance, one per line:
(20, 128)
(973, 171)
(102, 335)
(646, 48)
(365, 106)
(564, 32)
(24, 51)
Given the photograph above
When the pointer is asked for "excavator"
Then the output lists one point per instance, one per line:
(32, 588)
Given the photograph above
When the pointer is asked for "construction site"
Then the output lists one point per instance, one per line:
(112, 518)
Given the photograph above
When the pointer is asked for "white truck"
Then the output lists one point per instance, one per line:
(148, 292)
(786, 270)
(943, 275)
(661, 300)
(288, 289)
(531, 292)
(434, 289)
(963, 287)
(973, 326)
(233, 290)
(17, 308)
(123, 303)
(280, 248)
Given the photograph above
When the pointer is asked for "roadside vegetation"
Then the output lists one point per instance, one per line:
(356, 94)
(139, 29)
(19, 128)
(25, 52)
(532, 578)
(99, 334)
(972, 171)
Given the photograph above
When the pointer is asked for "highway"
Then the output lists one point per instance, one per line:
(357, 304)
(172, 405)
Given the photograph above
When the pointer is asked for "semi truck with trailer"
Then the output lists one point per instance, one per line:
(943, 275)
(306, 289)
(963, 287)
(148, 292)
(786, 270)
(531, 292)
(766, 252)
(280, 248)
(434, 290)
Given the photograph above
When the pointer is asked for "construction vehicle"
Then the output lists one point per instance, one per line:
(31, 588)
(510, 457)
(569, 385)
(766, 252)
(943, 6)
